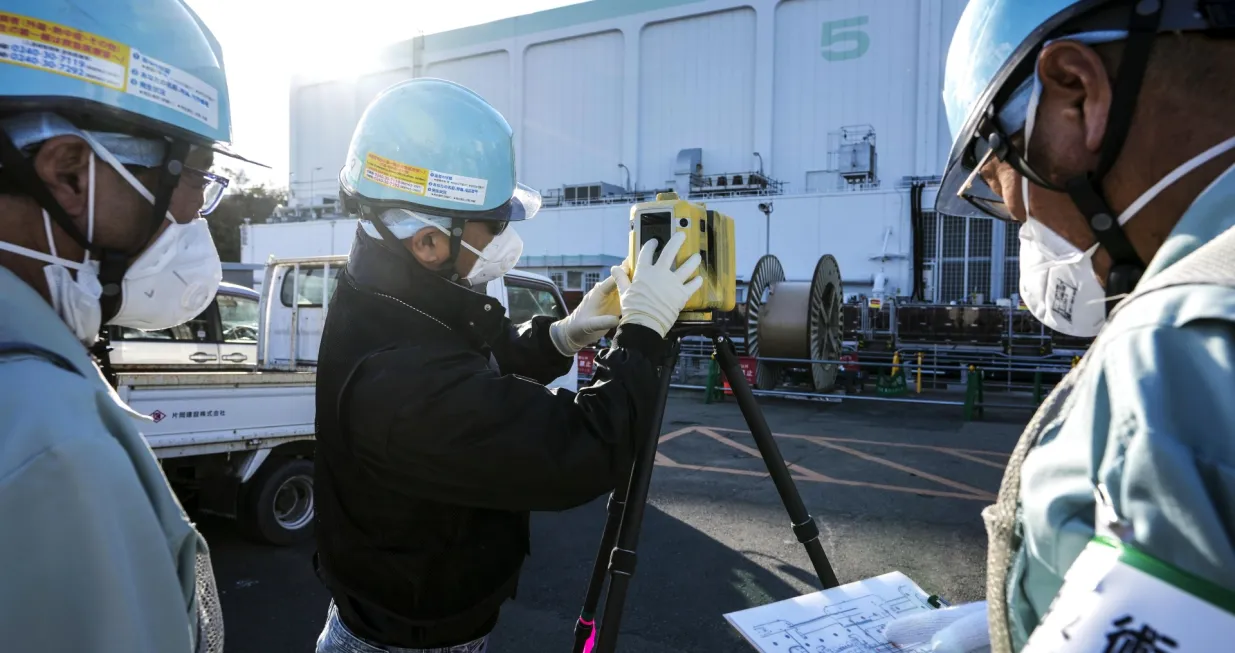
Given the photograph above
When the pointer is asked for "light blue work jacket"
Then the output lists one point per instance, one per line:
(1153, 418)
(95, 551)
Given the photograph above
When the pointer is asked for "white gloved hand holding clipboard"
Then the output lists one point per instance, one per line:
(959, 629)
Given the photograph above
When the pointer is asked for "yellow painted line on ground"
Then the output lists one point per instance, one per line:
(972, 458)
(802, 473)
(908, 470)
(673, 434)
(904, 445)
(666, 462)
(755, 453)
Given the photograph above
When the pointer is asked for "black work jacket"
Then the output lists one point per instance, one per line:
(429, 459)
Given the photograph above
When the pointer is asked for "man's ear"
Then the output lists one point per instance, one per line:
(1075, 75)
(63, 164)
(430, 247)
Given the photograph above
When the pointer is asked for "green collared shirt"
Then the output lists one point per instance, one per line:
(1153, 418)
(97, 554)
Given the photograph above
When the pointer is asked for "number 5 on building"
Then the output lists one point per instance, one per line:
(836, 33)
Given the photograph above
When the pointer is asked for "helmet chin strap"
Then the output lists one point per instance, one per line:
(1086, 191)
(451, 271)
(448, 271)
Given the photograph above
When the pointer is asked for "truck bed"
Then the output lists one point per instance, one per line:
(198, 413)
(234, 379)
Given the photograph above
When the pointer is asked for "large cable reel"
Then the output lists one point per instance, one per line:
(768, 272)
(795, 320)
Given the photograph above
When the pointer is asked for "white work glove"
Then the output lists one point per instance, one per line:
(595, 316)
(959, 629)
(658, 292)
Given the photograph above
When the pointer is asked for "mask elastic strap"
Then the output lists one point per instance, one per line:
(480, 256)
(41, 256)
(169, 179)
(1086, 192)
(51, 240)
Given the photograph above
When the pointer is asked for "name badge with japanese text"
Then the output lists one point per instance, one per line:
(1116, 599)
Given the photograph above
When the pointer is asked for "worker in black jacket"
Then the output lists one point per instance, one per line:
(436, 433)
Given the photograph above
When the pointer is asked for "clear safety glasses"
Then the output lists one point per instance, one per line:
(211, 185)
(977, 193)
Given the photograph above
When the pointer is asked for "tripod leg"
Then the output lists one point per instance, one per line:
(804, 526)
(585, 626)
(622, 559)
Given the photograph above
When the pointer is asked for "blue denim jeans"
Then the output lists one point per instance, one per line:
(336, 638)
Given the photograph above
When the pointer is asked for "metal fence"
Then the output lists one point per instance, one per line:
(913, 377)
(968, 257)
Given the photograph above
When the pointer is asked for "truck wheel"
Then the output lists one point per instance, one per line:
(277, 505)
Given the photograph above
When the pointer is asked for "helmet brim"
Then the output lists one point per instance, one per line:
(94, 116)
(224, 150)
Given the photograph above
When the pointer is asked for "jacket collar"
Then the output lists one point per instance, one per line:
(25, 317)
(376, 266)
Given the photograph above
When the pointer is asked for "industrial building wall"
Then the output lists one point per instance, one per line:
(697, 89)
(840, 64)
(589, 86)
(778, 78)
(572, 110)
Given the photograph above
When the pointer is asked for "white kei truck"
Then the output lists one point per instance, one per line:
(237, 439)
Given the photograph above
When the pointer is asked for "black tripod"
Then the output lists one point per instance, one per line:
(626, 504)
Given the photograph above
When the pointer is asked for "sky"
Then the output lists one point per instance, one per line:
(265, 42)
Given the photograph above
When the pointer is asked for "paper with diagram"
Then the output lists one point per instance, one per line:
(845, 619)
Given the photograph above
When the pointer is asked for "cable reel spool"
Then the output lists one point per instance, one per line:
(795, 319)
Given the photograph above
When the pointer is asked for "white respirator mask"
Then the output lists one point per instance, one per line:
(1058, 283)
(170, 282)
(497, 258)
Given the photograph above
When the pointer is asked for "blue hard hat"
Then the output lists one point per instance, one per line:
(146, 66)
(437, 148)
(992, 59)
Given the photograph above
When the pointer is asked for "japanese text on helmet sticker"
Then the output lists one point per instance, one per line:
(456, 188)
(392, 174)
(173, 88)
(424, 182)
(62, 50)
(70, 52)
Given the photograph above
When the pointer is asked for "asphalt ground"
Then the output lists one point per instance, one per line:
(892, 487)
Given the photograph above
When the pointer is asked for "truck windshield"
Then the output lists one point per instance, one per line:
(238, 318)
(313, 288)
